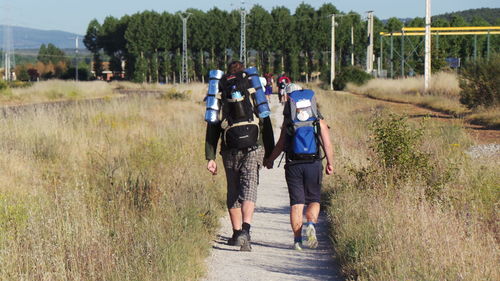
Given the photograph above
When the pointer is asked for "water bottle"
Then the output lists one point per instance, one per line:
(260, 95)
(212, 102)
(237, 107)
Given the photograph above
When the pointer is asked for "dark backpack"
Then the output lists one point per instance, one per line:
(239, 123)
(303, 129)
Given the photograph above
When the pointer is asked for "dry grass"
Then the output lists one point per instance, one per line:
(442, 84)
(489, 117)
(443, 96)
(55, 90)
(410, 230)
(395, 238)
(111, 191)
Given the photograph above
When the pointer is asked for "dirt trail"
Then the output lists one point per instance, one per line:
(272, 257)
(479, 134)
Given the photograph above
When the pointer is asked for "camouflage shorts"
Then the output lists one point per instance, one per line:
(242, 174)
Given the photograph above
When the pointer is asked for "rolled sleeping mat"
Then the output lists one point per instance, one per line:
(212, 102)
(260, 95)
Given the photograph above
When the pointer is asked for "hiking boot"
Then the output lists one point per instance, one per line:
(297, 246)
(312, 241)
(244, 241)
(233, 241)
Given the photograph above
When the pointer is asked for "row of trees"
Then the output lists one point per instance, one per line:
(51, 62)
(299, 43)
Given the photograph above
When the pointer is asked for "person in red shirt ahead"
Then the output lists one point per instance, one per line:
(283, 81)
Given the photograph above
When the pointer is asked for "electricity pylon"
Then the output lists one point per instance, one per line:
(243, 47)
(184, 72)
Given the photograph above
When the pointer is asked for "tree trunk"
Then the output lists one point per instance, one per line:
(165, 58)
(213, 57)
(282, 61)
(337, 67)
(157, 67)
(202, 63)
(225, 56)
(269, 61)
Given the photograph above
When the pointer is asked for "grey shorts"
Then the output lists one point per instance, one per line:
(242, 174)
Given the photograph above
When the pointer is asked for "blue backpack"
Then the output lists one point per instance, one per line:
(304, 127)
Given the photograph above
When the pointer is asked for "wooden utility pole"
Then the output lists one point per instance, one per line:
(428, 69)
(332, 56)
(369, 50)
(352, 45)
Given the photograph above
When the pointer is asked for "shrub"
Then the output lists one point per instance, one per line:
(399, 160)
(351, 74)
(3, 85)
(396, 145)
(83, 74)
(480, 83)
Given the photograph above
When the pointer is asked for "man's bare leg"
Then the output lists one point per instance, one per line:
(248, 207)
(236, 218)
(312, 212)
(247, 210)
(296, 217)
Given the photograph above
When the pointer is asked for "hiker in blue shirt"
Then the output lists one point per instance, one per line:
(303, 134)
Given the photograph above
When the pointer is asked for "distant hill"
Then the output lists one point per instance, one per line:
(30, 38)
(491, 15)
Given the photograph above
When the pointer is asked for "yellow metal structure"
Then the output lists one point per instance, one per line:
(446, 31)
(462, 28)
(386, 34)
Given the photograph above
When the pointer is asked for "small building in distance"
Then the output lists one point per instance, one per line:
(107, 73)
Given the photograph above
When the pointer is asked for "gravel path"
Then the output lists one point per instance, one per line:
(484, 151)
(272, 256)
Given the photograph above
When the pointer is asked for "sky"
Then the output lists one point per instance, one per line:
(74, 16)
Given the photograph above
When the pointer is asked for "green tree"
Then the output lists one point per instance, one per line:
(393, 25)
(219, 37)
(168, 36)
(112, 40)
(260, 37)
(459, 46)
(91, 41)
(51, 54)
(198, 43)
(42, 54)
(282, 36)
(323, 37)
(305, 16)
(141, 35)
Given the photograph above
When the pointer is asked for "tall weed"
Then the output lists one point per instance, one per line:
(108, 191)
(407, 203)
